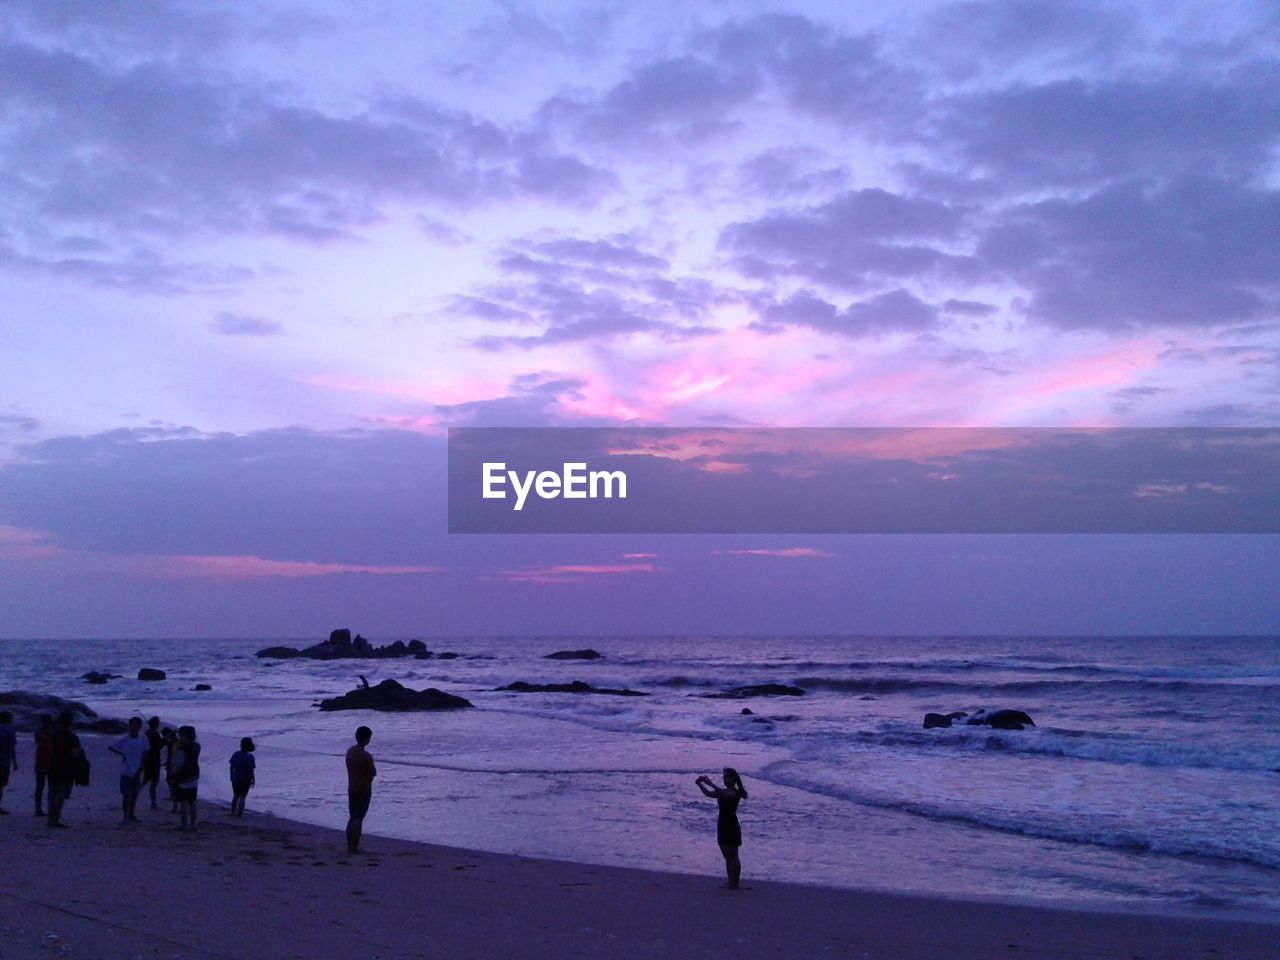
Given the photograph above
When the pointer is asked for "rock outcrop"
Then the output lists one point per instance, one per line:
(390, 695)
(151, 673)
(587, 654)
(932, 720)
(342, 646)
(1001, 719)
(99, 676)
(27, 709)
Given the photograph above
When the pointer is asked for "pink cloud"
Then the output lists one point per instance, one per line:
(789, 553)
(211, 567)
(638, 556)
(17, 543)
(574, 572)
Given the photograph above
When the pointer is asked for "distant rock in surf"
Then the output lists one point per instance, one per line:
(201, 687)
(577, 686)
(760, 690)
(932, 720)
(1001, 720)
(342, 646)
(96, 676)
(390, 695)
(587, 654)
(151, 673)
(28, 707)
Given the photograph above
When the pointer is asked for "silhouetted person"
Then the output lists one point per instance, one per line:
(360, 774)
(132, 750)
(242, 768)
(728, 831)
(170, 741)
(8, 753)
(65, 767)
(186, 775)
(44, 759)
(153, 761)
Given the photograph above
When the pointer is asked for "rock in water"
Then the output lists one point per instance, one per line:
(390, 695)
(200, 687)
(96, 676)
(587, 654)
(1001, 720)
(342, 646)
(151, 673)
(932, 720)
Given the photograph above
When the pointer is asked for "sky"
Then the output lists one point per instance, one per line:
(258, 258)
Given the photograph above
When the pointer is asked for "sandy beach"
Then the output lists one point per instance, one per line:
(263, 887)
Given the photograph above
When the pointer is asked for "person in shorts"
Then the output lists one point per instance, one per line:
(131, 749)
(186, 775)
(153, 761)
(242, 769)
(360, 774)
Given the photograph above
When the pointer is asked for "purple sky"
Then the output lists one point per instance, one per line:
(258, 257)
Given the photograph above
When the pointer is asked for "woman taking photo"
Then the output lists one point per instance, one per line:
(728, 832)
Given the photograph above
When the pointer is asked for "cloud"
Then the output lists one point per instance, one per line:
(574, 572)
(241, 325)
(894, 310)
(590, 290)
(683, 99)
(1196, 253)
(853, 240)
(787, 553)
(141, 153)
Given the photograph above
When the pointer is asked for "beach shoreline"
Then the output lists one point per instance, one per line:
(269, 887)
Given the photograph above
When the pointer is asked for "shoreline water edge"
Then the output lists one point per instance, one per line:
(850, 798)
(263, 886)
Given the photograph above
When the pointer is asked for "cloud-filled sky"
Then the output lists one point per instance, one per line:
(258, 257)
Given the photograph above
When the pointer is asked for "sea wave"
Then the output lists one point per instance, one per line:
(1258, 849)
(1104, 746)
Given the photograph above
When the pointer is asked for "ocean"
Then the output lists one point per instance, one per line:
(1151, 779)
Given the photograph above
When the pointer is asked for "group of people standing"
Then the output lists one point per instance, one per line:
(146, 757)
(60, 763)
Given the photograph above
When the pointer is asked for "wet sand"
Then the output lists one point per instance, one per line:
(262, 887)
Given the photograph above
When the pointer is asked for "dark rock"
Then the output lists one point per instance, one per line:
(423, 655)
(104, 725)
(446, 656)
(932, 720)
(95, 676)
(747, 711)
(341, 646)
(760, 690)
(28, 707)
(1001, 719)
(151, 673)
(577, 686)
(587, 654)
(390, 695)
(202, 686)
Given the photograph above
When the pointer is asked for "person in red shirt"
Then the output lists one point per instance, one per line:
(360, 774)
